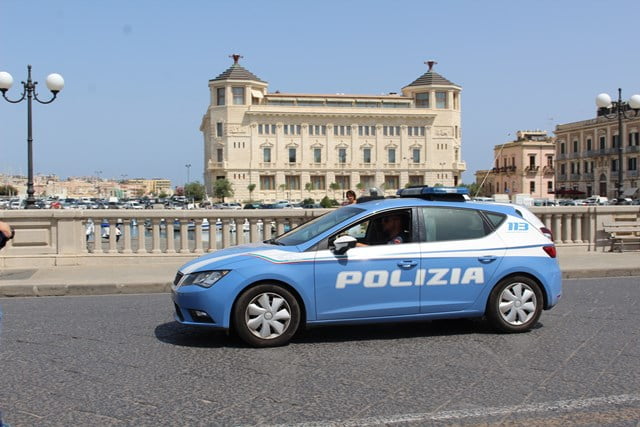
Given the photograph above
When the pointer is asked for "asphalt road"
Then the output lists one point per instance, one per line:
(121, 360)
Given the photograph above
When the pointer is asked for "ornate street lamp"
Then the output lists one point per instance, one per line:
(618, 109)
(55, 83)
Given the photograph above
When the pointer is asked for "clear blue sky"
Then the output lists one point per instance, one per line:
(136, 72)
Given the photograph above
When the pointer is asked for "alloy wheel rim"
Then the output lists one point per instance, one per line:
(517, 304)
(268, 315)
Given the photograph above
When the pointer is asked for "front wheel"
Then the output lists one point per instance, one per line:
(515, 304)
(266, 316)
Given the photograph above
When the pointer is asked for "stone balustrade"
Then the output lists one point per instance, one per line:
(81, 237)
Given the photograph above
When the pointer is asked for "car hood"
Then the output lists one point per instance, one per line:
(228, 256)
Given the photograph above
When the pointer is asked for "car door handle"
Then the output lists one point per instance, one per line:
(487, 259)
(407, 264)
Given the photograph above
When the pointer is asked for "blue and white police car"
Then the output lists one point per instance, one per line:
(447, 258)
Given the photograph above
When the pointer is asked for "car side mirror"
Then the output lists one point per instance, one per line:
(343, 243)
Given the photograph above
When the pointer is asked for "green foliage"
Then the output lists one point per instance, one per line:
(222, 188)
(163, 195)
(195, 190)
(308, 201)
(251, 187)
(328, 203)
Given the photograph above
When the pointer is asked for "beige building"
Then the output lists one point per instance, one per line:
(522, 166)
(587, 154)
(296, 145)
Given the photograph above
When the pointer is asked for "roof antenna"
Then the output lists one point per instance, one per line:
(430, 63)
(235, 57)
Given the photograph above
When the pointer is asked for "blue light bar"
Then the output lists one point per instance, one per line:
(420, 191)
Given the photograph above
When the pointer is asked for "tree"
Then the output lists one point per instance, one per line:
(222, 188)
(251, 187)
(194, 190)
(308, 186)
(334, 186)
(8, 190)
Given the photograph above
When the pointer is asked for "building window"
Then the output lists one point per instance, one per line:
(532, 162)
(291, 129)
(219, 129)
(342, 155)
(318, 183)
(391, 130)
(342, 130)
(416, 180)
(632, 164)
(238, 95)
(292, 155)
(575, 146)
(532, 186)
(266, 129)
(266, 155)
(267, 182)
(603, 142)
(549, 186)
(614, 165)
(366, 155)
(550, 161)
(220, 96)
(616, 141)
(422, 100)
(367, 130)
(416, 130)
(415, 155)
(391, 182)
(441, 100)
(317, 130)
(563, 169)
(219, 155)
(589, 145)
(633, 138)
(317, 155)
(344, 181)
(391, 155)
(292, 182)
(562, 148)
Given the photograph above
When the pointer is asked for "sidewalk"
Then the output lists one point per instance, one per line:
(157, 277)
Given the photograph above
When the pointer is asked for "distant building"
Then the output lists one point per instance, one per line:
(298, 145)
(587, 157)
(522, 166)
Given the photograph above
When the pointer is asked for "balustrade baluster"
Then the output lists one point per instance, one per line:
(171, 244)
(126, 235)
(184, 236)
(198, 236)
(155, 236)
(142, 241)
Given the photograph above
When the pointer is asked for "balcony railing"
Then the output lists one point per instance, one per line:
(75, 237)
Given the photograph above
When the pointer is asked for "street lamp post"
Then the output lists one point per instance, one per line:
(188, 166)
(55, 83)
(620, 110)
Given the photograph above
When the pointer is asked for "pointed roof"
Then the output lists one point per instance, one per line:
(431, 78)
(237, 72)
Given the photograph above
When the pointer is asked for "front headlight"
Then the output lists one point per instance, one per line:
(205, 279)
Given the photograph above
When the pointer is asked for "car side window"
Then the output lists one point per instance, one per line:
(385, 228)
(442, 224)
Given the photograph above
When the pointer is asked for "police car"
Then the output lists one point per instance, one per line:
(449, 258)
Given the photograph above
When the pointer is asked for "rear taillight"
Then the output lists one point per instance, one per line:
(547, 232)
(550, 250)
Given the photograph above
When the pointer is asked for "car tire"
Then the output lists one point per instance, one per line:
(515, 304)
(266, 316)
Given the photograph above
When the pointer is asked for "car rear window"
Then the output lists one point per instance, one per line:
(442, 224)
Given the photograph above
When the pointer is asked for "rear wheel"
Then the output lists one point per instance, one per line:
(266, 316)
(515, 304)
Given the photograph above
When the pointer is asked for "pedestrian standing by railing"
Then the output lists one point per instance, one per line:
(6, 234)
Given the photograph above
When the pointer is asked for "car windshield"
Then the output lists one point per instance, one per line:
(316, 226)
